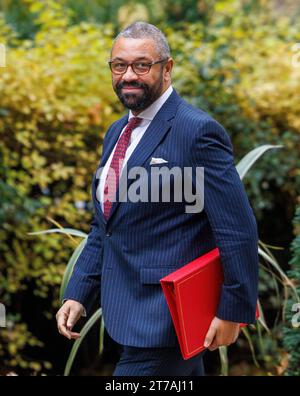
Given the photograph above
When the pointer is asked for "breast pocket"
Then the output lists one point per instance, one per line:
(167, 181)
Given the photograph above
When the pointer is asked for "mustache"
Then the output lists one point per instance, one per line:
(133, 84)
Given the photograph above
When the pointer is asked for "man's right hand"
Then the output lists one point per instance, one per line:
(67, 316)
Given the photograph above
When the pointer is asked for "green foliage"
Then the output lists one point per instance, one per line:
(239, 69)
(14, 340)
(291, 334)
(18, 15)
(56, 102)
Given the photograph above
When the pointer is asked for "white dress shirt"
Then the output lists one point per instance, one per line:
(147, 115)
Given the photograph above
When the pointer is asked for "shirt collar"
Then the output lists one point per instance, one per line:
(150, 112)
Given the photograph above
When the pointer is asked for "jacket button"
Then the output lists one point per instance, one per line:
(108, 233)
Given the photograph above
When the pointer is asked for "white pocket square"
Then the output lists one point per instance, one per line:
(158, 161)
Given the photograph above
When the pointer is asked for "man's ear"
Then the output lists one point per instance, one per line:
(168, 70)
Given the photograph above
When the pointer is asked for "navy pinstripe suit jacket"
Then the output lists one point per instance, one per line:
(126, 256)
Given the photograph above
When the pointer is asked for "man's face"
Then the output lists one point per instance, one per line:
(137, 92)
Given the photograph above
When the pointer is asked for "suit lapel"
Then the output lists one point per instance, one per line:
(116, 130)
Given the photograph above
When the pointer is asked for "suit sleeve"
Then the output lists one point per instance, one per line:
(232, 222)
(85, 283)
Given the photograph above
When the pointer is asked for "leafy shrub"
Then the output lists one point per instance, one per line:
(56, 102)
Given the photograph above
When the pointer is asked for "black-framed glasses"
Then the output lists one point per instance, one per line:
(139, 67)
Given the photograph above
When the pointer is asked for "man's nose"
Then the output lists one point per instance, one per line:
(130, 75)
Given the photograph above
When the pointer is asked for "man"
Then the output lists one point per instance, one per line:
(134, 243)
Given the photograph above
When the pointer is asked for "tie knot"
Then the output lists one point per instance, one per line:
(134, 122)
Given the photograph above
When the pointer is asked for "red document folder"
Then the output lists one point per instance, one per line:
(192, 294)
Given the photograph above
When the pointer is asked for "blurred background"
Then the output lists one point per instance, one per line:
(237, 60)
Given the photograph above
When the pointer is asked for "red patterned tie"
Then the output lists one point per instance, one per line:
(112, 179)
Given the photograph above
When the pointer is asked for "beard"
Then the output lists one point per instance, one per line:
(142, 100)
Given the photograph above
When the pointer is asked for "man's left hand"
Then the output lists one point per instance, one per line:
(221, 333)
